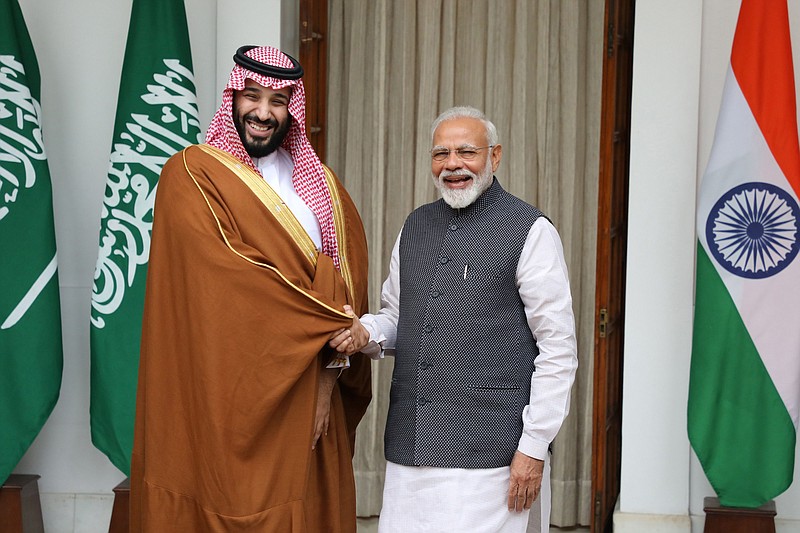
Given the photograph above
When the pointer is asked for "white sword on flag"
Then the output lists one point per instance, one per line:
(30, 297)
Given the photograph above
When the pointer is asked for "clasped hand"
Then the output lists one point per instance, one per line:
(348, 341)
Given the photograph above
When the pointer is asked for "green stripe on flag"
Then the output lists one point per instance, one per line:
(738, 425)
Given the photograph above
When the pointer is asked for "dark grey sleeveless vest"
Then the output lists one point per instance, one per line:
(465, 353)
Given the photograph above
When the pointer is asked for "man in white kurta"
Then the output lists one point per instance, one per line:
(420, 494)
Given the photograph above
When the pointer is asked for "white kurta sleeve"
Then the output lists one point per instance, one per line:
(544, 288)
(382, 326)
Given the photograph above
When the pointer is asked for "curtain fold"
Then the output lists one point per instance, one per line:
(534, 67)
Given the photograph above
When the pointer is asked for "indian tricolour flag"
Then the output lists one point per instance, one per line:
(745, 375)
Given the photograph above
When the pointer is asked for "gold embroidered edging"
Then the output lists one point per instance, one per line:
(341, 232)
(232, 249)
(269, 198)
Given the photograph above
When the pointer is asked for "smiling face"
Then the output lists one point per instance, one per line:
(461, 181)
(261, 116)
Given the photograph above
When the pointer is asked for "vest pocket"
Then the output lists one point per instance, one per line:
(494, 387)
(494, 401)
(494, 415)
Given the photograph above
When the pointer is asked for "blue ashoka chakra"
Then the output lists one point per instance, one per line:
(752, 230)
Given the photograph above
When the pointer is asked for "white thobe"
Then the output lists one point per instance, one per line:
(277, 169)
(543, 286)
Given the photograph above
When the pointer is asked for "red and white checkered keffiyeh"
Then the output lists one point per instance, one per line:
(308, 176)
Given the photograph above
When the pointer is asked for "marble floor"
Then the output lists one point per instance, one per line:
(370, 525)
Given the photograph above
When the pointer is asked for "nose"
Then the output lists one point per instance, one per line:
(452, 162)
(263, 111)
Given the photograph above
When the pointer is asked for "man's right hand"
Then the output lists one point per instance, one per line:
(348, 341)
(525, 481)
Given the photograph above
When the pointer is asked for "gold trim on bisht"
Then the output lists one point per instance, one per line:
(232, 249)
(269, 198)
(341, 232)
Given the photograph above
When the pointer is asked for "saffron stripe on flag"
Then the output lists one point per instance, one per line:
(766, 82)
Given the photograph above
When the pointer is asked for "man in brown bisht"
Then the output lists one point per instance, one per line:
(245, 419)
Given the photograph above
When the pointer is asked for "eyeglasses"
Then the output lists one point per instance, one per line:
(465, 153)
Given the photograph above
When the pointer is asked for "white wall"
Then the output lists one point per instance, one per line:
(241, 22)
(80, 45)
(682, 51)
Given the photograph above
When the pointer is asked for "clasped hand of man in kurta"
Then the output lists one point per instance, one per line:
(348, 341)
(525, 483)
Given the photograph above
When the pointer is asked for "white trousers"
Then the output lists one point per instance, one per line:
(539, 519)
(443, 500)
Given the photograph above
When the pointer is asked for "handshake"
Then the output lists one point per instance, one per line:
(348, 341)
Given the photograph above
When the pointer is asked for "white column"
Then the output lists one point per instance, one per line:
(660, 268)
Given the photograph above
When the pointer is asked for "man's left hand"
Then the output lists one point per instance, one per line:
(327, 380)
(526, 481)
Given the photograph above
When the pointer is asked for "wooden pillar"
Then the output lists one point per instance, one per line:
(20, 507)
(721, 519)
(120, 513)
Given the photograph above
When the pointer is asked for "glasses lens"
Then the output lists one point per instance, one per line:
(467, 154)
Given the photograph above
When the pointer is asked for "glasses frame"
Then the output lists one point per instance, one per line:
(457, 151)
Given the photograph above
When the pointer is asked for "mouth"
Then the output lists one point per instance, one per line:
(259, 129)
(457, 181)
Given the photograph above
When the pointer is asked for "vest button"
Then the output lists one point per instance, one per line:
(424, 365)
(435, 294)
(443, 260)
(453, 227)
(428, 328)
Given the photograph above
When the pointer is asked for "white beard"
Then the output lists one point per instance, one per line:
(461, 198)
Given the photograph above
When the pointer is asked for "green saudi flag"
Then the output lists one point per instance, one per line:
(30, 317)
(156, 117)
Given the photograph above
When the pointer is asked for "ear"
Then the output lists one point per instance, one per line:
(497, 155)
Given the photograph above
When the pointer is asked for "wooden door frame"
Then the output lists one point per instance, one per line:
(314, 58)
(611, 252)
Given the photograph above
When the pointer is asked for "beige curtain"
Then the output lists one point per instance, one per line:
(534, 67)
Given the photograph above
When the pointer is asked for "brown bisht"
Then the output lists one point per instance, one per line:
(238, 310)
